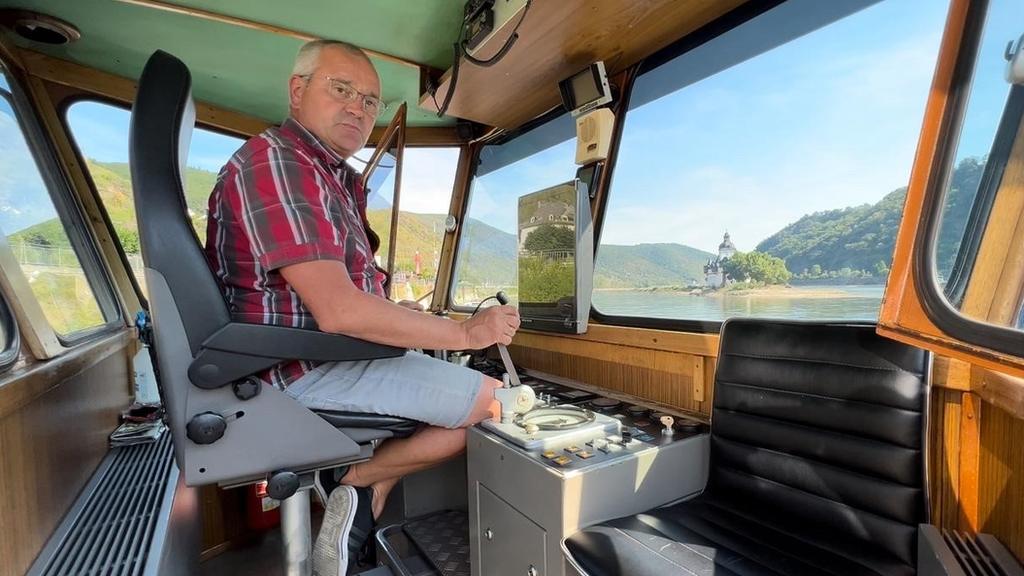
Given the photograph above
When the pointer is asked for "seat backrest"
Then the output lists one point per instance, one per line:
(267, 432)
(820, 429)
(163, 117)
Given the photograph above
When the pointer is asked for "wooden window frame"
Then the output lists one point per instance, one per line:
(914, 309)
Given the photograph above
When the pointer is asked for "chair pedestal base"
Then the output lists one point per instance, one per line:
(296, 534)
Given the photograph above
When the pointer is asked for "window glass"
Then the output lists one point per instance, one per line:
(764, 172)
(37, 237)
(101, 133)
(976, 251)
(428, 177)
(538, 159)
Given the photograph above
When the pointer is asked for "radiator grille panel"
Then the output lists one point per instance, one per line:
(113, 528)
(973, 558)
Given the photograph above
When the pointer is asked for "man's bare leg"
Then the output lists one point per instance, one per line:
(426, 448)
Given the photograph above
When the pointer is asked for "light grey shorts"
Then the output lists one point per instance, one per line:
(414, 386)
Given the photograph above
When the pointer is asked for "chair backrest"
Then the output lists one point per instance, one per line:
(821, 429)
(267, 432)
(163, 117)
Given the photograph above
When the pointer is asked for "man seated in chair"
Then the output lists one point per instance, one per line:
(288, 238)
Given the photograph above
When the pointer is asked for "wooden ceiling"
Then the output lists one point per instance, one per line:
(559, 38)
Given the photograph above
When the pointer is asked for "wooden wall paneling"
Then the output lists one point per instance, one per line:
(672, 389)
(710, 365)
(656, 375)
(945, 464)
(699, 382)
(53, 434)
(1001, 475)
(224, 524)
(970, 446)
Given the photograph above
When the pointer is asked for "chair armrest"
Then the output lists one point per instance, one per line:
(240, 349)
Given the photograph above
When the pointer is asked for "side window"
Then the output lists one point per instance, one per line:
(977, 251)
(45, 237)
(763, 173)
(428, 177)
(101, 133)
(488, 245)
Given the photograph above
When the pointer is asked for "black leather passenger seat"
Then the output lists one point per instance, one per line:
(817, 464)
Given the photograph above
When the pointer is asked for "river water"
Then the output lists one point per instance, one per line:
(802, 302)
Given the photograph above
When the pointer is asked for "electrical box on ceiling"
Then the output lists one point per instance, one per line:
(502, 14)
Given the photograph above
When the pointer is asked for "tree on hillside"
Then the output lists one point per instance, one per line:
(859, 237)
(550, 237)
(37, 239)
(757, 266)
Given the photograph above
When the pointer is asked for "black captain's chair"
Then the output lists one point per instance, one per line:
(227, 427)
(817, 464)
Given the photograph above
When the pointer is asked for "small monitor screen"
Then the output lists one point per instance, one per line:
(584, 88)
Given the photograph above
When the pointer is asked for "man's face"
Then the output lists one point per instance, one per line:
(344, 126)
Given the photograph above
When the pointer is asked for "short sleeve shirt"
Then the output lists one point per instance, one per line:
(284, 198)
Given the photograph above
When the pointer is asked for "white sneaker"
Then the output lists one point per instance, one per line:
(330, 553)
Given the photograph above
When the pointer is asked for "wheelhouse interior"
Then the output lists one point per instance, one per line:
(769, 258)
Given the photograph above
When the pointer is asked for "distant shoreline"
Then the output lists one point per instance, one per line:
(803, 291)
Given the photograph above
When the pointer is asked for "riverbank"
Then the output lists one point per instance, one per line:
(786, 291)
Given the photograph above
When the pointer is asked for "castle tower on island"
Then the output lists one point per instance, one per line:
(714, 272)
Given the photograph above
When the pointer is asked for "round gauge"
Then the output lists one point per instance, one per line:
(605, 404)
(687, 425)
(555, 418)
(638, 411)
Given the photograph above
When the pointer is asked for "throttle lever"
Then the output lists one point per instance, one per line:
(506, 359)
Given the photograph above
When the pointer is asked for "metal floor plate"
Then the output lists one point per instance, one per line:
(444, 539)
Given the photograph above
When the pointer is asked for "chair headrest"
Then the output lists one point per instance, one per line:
(163, 117)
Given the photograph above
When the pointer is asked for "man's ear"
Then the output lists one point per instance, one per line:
(296, 86)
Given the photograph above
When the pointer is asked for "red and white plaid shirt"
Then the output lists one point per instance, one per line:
(284, 198)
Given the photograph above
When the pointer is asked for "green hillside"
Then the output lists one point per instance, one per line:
(647, 265)
(858, 238)
(487, 255)
(861, 238)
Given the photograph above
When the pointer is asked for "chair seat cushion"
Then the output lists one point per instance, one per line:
(398, 427)
(701, 537)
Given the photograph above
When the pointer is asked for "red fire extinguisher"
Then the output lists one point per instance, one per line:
(262, 512)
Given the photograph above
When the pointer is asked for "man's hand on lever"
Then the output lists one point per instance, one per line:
(497, 324)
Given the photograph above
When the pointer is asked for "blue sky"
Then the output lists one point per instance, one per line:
(826, 121)
(101, 130)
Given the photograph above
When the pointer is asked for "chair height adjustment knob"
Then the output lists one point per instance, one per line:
(282, 485)
(247, 388)
(206, 428)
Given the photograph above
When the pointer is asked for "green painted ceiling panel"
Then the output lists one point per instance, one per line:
(247, 70)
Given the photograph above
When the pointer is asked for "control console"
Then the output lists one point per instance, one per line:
(574, 459)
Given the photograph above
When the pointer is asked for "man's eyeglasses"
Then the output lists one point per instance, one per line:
(343, 92)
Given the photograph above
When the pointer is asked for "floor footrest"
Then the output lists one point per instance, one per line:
(443, 538)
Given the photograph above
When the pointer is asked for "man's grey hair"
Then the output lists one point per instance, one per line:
(309, 54)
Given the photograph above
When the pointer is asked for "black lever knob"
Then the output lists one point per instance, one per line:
(501, 297)
(206, 428)
(282, 485)
(247, 388)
